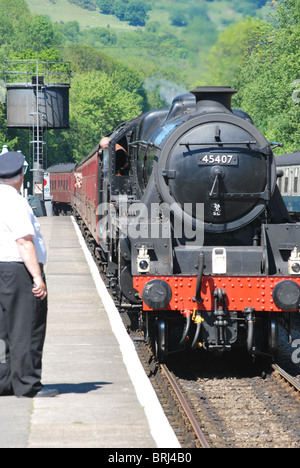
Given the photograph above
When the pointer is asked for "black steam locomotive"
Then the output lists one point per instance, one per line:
(190, 227)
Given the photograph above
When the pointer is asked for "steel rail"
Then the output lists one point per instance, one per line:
(287, 377)
(185, 406)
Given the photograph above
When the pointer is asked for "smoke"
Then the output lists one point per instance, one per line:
(167, 89)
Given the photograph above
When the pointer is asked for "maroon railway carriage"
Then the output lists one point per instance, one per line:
(61, 180)
(84, 191)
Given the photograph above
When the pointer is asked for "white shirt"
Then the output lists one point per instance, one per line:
(17, 220)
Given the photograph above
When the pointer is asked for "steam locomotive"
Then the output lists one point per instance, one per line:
(184, 214)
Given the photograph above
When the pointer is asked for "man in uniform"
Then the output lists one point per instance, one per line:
(23, 293)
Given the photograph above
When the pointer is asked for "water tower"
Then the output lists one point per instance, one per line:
(37, 99)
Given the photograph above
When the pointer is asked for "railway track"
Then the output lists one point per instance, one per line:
(230, 408)
(243, 411)
(186, 410)
(172, 399)
(285, 378)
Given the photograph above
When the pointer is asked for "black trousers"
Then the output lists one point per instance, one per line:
(22, 332)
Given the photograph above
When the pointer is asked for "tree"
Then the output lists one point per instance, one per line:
(15, 10)
(137, 13)
(85, 58)
(15, 17)
(178, 18)
(99, 36)
(71, 30)
(105, 6)
(98, 104)
(267, 76)
(226, 56)
(40, 32)
(5, 138)
(120, 8)
(133, 11)
(288, 13)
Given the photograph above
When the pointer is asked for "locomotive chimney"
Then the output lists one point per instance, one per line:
(211, 99)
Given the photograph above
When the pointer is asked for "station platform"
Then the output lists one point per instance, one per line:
(105, 399)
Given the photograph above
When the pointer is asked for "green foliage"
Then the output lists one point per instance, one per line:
(187, 42)
(106, 6)
(267, 78)
(12, 143)
(133, 11)
(288, 14)
(225, 57)
(165, 43)
(86, 59)
(100, 37)
(137, 13)
(98, 104)
(41, 34)
(87, 4)
(70, 30)
(179, 18)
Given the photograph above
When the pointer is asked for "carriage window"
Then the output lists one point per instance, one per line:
(296, 184)
(286, 184)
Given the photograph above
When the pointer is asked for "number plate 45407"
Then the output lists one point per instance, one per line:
(218, 159)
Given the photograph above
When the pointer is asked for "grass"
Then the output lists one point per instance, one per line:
(62, 10)
(65, 11)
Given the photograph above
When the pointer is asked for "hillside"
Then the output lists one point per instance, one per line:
(63, 10)
(220, 12)
(175, 41)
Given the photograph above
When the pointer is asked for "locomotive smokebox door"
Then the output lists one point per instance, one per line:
(216, 159)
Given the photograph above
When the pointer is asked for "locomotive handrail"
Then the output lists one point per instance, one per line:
(253, 195)
(218, 143)
(144, 143)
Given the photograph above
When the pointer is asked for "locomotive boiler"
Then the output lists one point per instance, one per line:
(194, 236)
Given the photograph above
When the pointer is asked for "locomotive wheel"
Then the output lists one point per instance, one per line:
(161, 335)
